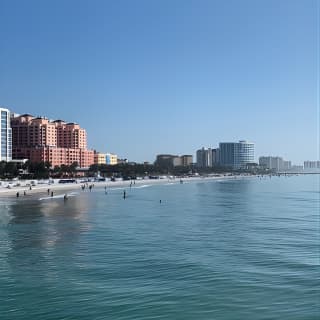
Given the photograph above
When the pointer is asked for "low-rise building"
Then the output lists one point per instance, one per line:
(111, 159)
(297, 168)
(170, 160)
(177, 161)
(186, 160)
(100, 158)
(165, 160)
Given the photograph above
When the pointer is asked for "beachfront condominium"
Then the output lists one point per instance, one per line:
(5, 136)
(40, 139)
(186, 160)
(274, 163)
(204, 158)
(167, 160)
(207, 158)
(236, 155)
(170, 160)
(310, 165)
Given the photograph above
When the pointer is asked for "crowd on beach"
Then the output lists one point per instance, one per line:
(23, 188)
(52, 188)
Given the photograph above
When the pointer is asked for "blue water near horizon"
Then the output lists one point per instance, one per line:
(232, 249)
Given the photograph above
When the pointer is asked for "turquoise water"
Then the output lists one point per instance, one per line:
(238, 249)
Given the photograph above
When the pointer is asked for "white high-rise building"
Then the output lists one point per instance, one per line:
(5, 136)
(236, 155)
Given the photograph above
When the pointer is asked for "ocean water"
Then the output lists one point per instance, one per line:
(236, 249)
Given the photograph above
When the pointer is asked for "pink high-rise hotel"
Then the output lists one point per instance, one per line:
(39, 140)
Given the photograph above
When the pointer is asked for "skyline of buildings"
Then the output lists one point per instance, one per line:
(235, 155)
(59, 142)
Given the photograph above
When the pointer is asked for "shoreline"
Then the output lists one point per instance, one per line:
(59, 189)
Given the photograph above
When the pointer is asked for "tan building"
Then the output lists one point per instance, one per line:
(173, 160)
(58, 142)
(176, 161)
(186, 160)
(100, 158)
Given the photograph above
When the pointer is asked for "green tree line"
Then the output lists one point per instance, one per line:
(44, 170)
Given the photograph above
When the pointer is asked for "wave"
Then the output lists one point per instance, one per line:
(143, 186)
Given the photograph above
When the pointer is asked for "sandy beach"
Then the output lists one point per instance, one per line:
(43, 188)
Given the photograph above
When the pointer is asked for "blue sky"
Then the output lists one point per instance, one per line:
(169, 76)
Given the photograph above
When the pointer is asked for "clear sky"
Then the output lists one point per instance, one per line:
(167, 76)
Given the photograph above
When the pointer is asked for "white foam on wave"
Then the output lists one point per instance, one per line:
(143, 186)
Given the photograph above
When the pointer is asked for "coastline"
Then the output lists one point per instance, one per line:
(59, 189)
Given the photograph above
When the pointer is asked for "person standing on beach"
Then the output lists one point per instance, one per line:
(124, 194)
(48, 191)
(51, 193)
